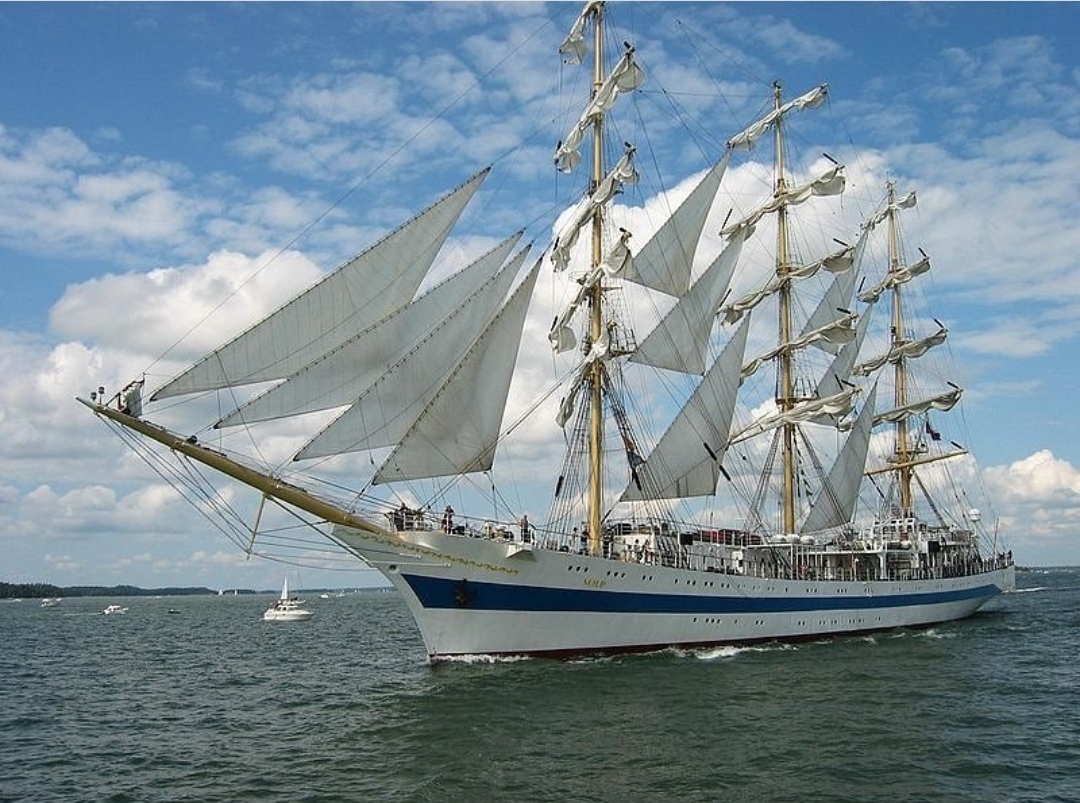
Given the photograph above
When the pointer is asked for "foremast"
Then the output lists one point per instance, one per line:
(592, 380)
(596, 301)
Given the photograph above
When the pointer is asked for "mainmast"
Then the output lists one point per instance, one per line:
(596, 320)
(902, 453)
(785, 399)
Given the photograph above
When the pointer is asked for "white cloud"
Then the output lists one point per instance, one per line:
(1039, 499)
(143, 315)
(1040, 478)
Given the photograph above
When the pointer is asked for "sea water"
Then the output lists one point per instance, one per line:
(198, 699)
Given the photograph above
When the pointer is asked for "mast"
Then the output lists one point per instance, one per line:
(785, 392)
(905, 468)
(596, 320)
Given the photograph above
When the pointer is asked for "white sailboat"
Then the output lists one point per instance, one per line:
(287, 608)
(622, 562)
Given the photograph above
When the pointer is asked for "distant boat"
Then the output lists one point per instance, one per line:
(111, 609)
(50, 602)
(286, 608)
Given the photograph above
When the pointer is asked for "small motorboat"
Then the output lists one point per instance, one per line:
(111, 609)
(286, 608)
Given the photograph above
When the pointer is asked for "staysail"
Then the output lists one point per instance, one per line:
(385, 409)
(367, 288)
(665, 262)
(687, 460)
(679, 342)
(339, 377)
(456, 433)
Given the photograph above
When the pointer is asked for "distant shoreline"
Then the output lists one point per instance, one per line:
(42, 590)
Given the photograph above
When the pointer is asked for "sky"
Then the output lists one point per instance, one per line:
(155, 156)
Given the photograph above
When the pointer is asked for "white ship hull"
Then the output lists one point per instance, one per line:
(477, 596)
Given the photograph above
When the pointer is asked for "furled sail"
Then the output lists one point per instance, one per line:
(665, 262)
(622, 173)
(895, 278)
(680, 340)
(614, 263)
(839, 263)
(824, 410)
(835, 502)
(837, 299)
(338, 378)
(573, 47)
(942, 402)
(832, 182)
(385, 409)
(626, 77)
(458, 429)
(838, 332)
(746, 139)
(907, 202)
(910, 349)
(686, 461)
(365, 289)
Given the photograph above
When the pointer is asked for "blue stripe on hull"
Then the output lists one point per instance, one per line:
(436, 593)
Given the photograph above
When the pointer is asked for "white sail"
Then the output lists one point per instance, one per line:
(388, 407)
(838, 375)
(665, 262)
(942, 402)
(907, 202)
(458, 430)
(746, 139)
(832, 182)
(837, 332)
(372, 284)
(614, 263)
(573, 46)
(686, 461)
(824, 410)
(835, 502)
(622, 173)
(626, 77)
(339, 377)
(910, 349)
(837, 299)
(894, 279)
(840, 263)
(680, 340)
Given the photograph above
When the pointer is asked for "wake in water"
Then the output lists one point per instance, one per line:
(728, 652)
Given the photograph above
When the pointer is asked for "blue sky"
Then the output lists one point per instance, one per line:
(152, 153)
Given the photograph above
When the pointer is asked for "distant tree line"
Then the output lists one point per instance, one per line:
(40, 590)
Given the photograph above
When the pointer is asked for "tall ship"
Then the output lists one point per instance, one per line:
(753, 449)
